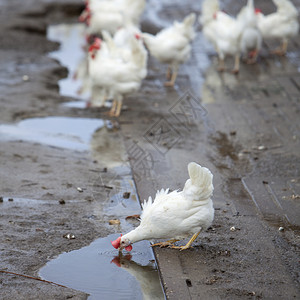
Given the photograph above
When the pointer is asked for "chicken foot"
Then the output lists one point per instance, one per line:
(282, 49)
(169, 73)
(221, 67)
(236, 67)
(115, 109)
(172, 80)
(169, 243)
(189, 243)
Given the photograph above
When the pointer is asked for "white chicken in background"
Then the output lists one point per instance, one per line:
(251, 38)
(111, 15)
(120, 44)
(223, 31)
(172, 45)
(114, 75)
(282, 24)
(230, 36)
(176, 215)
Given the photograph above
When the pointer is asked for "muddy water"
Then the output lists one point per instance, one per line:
(98, 269)
(71, 54)
(62, 132)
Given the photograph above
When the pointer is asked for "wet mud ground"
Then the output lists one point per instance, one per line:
(245, 128)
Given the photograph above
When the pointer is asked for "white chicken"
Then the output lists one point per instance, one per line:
(120, 44)
(282, 24)
(223, 31)
(172, 45)
(251, 38)
(111, 15)
(176, 215)
(115, 76)
(229, 35)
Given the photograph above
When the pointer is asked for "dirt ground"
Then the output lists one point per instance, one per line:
(245, 129)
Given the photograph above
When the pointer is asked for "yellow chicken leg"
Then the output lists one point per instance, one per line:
(165, 244)
(169, 73)
(112, 111)
(221, 67)
(282, 49)
(189, 243)
(173, 78)
(115, 108)
(118, 110)
(236, 67)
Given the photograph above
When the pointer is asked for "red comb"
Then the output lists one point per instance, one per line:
(257, 10)
(137, 36)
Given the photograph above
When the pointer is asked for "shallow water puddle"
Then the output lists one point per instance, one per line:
(99, 271)
(62, 132)
(71, 55)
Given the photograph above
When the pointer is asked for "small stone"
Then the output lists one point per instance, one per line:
(232, 229)
(69, 236)
(25, 77)
(281, 229)
(10, 199)
(261, 147)
(1, 199)
(136, 217)
(62, 201)
(114, 222)
(79, 189)
(126, 195)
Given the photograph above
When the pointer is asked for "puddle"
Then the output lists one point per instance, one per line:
(62, 132)
(70, 54)
(99, 271)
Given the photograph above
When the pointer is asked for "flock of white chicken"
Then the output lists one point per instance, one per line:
(244, 34)
(116, 63)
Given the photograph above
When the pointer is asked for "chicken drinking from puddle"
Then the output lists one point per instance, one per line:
(177, 215)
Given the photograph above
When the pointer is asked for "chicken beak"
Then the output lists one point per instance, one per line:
(116, 243)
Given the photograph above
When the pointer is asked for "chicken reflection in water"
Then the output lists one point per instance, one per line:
(146, 275)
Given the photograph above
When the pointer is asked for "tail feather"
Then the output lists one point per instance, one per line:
(200, 185)
(189, 20)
